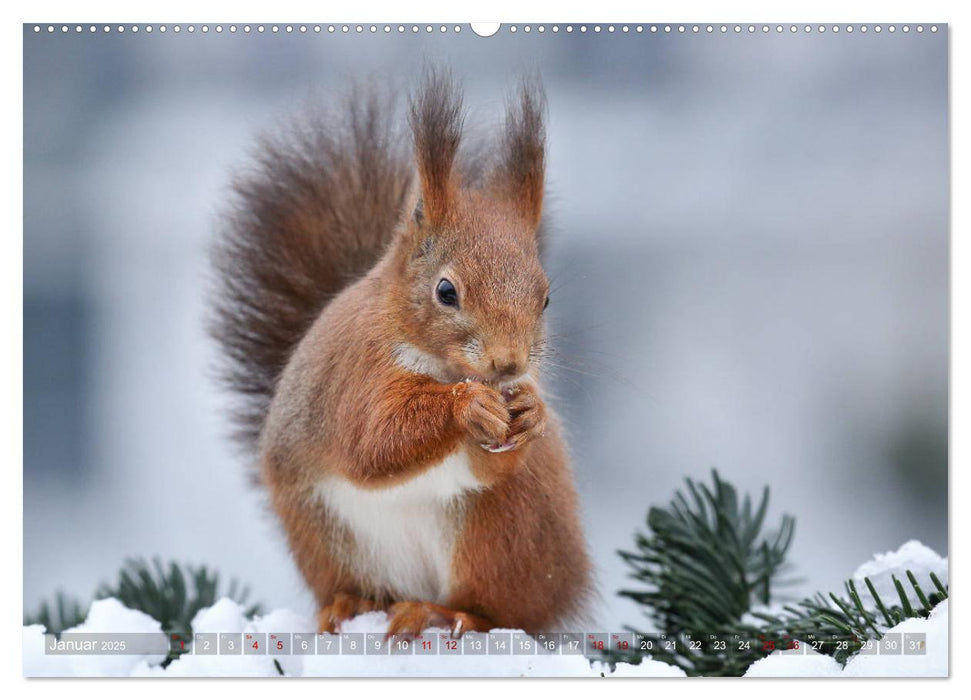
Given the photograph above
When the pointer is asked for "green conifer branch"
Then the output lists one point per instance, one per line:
(704, 564)
(170, 593)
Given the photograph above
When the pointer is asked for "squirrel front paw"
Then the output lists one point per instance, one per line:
(528, 416)
(481, 412)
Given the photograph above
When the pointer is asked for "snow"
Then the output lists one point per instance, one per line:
(913, 556)
(36, 662)
(648, 668)
(813, 664)
(933, 664)
(227, 616)
(105, 616)
(779, 665)
(922, 561)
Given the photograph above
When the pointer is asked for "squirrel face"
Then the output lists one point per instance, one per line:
(476, 292)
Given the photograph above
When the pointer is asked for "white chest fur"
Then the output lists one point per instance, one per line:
(403, 536)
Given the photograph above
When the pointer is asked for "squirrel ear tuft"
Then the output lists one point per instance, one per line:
(522, 164)
(436, 123)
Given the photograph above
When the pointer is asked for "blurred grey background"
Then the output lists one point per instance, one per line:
(749, 257)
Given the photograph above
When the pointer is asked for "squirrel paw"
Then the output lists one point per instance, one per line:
(528, 419)
(344, 607)
(412, 618)
(481, 412)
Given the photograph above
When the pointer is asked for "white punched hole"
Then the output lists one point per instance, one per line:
(485, 28)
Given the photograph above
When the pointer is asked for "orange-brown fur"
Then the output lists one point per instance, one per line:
(329, 270)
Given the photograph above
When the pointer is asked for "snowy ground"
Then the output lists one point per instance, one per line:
(932, 664)
(912, 556)
(227, 617)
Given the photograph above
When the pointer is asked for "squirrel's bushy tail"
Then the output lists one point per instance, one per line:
(313, 214)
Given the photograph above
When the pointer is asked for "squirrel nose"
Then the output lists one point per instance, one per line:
(507, 367)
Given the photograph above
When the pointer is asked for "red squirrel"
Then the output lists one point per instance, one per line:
(382, 316)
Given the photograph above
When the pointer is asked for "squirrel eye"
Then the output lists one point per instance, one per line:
(446, 294)
(547, 302)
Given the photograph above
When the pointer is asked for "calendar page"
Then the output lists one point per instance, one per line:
(462, 350)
